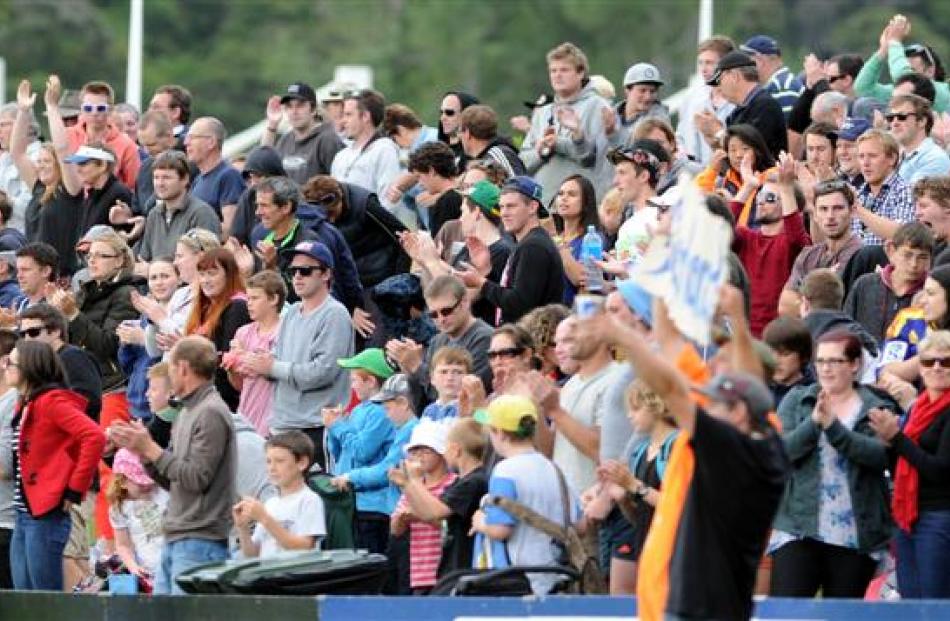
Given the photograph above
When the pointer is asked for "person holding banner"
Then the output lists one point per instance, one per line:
(769, 252)
(724, 480)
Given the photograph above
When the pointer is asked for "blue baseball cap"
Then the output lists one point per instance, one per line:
(527, 186)
(314, 250)
(853, 128)
(638, 299)
(761, 44)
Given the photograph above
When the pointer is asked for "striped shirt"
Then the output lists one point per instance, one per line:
(425, 541)
(19, 498)
(893, 202)
(785, 88)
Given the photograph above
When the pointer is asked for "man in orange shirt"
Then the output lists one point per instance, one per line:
(96, 99)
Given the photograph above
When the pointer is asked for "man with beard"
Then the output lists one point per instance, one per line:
(768, 252)
(833, 211)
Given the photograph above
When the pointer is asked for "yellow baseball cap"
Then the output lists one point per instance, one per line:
(506, 412)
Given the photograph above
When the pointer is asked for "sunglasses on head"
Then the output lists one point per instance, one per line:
(444, 312)
(900, 116)
(766, 197)
(90, 108)
(921, 50)
(31, 332)
(303, 270)
(508, 352)
(931, 361)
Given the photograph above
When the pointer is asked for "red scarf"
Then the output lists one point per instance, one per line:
(906, 478)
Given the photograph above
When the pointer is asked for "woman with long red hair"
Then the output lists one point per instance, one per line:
(219, 309)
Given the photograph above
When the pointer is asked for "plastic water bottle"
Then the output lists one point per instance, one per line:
(592, 248)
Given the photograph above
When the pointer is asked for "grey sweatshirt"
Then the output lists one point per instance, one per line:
(199, 468)
(305, 364)
(569, 156)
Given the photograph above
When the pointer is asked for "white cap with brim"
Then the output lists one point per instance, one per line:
(84, 154)
(430, 434)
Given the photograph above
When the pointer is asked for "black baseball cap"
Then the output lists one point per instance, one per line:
(732, 60)
(301, 91)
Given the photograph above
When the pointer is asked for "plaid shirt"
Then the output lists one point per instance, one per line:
(893, 202)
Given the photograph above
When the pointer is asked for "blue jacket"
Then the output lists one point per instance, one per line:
(10, 293)
(346, 279)
(135, 363)
(362, 440)
(375, 477)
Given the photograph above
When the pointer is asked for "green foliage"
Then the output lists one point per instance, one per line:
(233, 54)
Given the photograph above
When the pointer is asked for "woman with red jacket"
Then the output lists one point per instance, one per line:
(56, 449)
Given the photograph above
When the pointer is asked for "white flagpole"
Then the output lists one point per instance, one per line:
(133, 72)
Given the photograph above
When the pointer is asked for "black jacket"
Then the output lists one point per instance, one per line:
(102, 308)
(765, 114)
(501, 151)
(370, 231)
(535, 278)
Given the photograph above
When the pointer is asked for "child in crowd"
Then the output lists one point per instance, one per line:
(464, 451)
(449, 365)
(639, 480)
(426, 466)
(292, 520)
(396, 397)
(133, 357)
(136, 510)
(266, 293)
(159, 396)
(359, 440)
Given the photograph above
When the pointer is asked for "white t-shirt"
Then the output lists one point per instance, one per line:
(585, 400)
(301, 513)
(143, 519)
(635, 231)
(529, 478)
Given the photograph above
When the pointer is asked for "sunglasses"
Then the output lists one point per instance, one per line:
(31, 332)
(939, 361)
(921, 50)
(90, 108)
(448, 112)
(834, 78)
(444, 312)
(508, 352)
(766, 197)
(303, 270)
(900, 116)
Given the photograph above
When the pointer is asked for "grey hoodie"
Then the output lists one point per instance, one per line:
(305, 364)
(569, 157)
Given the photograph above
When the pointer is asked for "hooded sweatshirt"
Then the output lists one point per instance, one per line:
(569, 156)
(264, 161)
(311, 155)
(821, 321)
(874, 304)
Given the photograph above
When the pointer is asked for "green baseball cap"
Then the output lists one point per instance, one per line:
(372, 360)
(485, 194)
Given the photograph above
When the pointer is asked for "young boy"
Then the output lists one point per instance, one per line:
(464, 451)
(358, 441)
(159, 395)
(292, 520)
(396, 397)
(426, 466)
(875, 299)
(449, 365)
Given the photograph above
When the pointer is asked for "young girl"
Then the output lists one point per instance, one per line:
(266, 293)
(635, 485)
(724, 173)
(136, 511)
(219, 309)
(133, 356)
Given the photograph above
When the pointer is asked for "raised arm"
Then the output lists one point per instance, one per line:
(653, 368)
(57, 132)
(20, 137)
